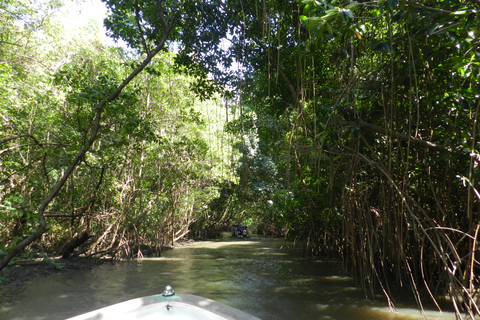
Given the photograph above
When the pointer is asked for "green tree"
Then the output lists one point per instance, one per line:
(100, 97)
(146, 162)
(380, 132)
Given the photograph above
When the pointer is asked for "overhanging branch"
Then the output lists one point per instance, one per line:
(406, 138)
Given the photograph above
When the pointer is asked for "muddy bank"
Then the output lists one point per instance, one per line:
(30, 269)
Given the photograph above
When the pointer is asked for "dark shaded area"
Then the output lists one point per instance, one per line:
(74, 243)
(31, 269)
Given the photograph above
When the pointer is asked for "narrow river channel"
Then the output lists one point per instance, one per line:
(262, 276)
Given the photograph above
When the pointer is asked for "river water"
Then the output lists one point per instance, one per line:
(265, 277)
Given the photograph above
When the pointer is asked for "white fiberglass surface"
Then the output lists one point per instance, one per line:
(175, 311)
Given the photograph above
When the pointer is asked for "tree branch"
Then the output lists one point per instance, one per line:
(18, 137)
(396, 135)
(140, 30)
(405, 137)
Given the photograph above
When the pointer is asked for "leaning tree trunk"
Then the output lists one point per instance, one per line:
(41, 211)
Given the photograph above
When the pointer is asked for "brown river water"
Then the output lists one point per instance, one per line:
(265, 277)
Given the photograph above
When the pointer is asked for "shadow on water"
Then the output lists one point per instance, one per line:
(261, 276)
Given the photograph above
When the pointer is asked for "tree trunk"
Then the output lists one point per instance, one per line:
(67, 250)
(13, 252)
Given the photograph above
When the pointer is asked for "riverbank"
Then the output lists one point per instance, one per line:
(33, 268)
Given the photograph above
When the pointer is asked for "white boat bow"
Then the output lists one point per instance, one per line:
(167, 306)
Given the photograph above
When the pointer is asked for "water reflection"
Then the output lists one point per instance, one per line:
(262, 276)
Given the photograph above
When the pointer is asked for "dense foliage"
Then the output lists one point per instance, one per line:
(138, 172)
(350, 126)
(364, 114)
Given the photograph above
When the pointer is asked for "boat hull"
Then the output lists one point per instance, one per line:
(177, 307)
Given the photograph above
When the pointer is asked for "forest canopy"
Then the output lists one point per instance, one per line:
(348, 126)
(120, 156)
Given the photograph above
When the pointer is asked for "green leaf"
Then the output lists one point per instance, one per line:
(312, 24)
(349, 13)
(330, 11)
(329, 28)
(458, 65)
(459, 12)
(352, 6)
(307, 8)
(321, 136)
(317, 43)
(330, 16)
(345, 18)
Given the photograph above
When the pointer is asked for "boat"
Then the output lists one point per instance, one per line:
(167, 306)
(240, 231)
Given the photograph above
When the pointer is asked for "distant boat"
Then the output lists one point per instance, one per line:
(239, 230)
(167, 306)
